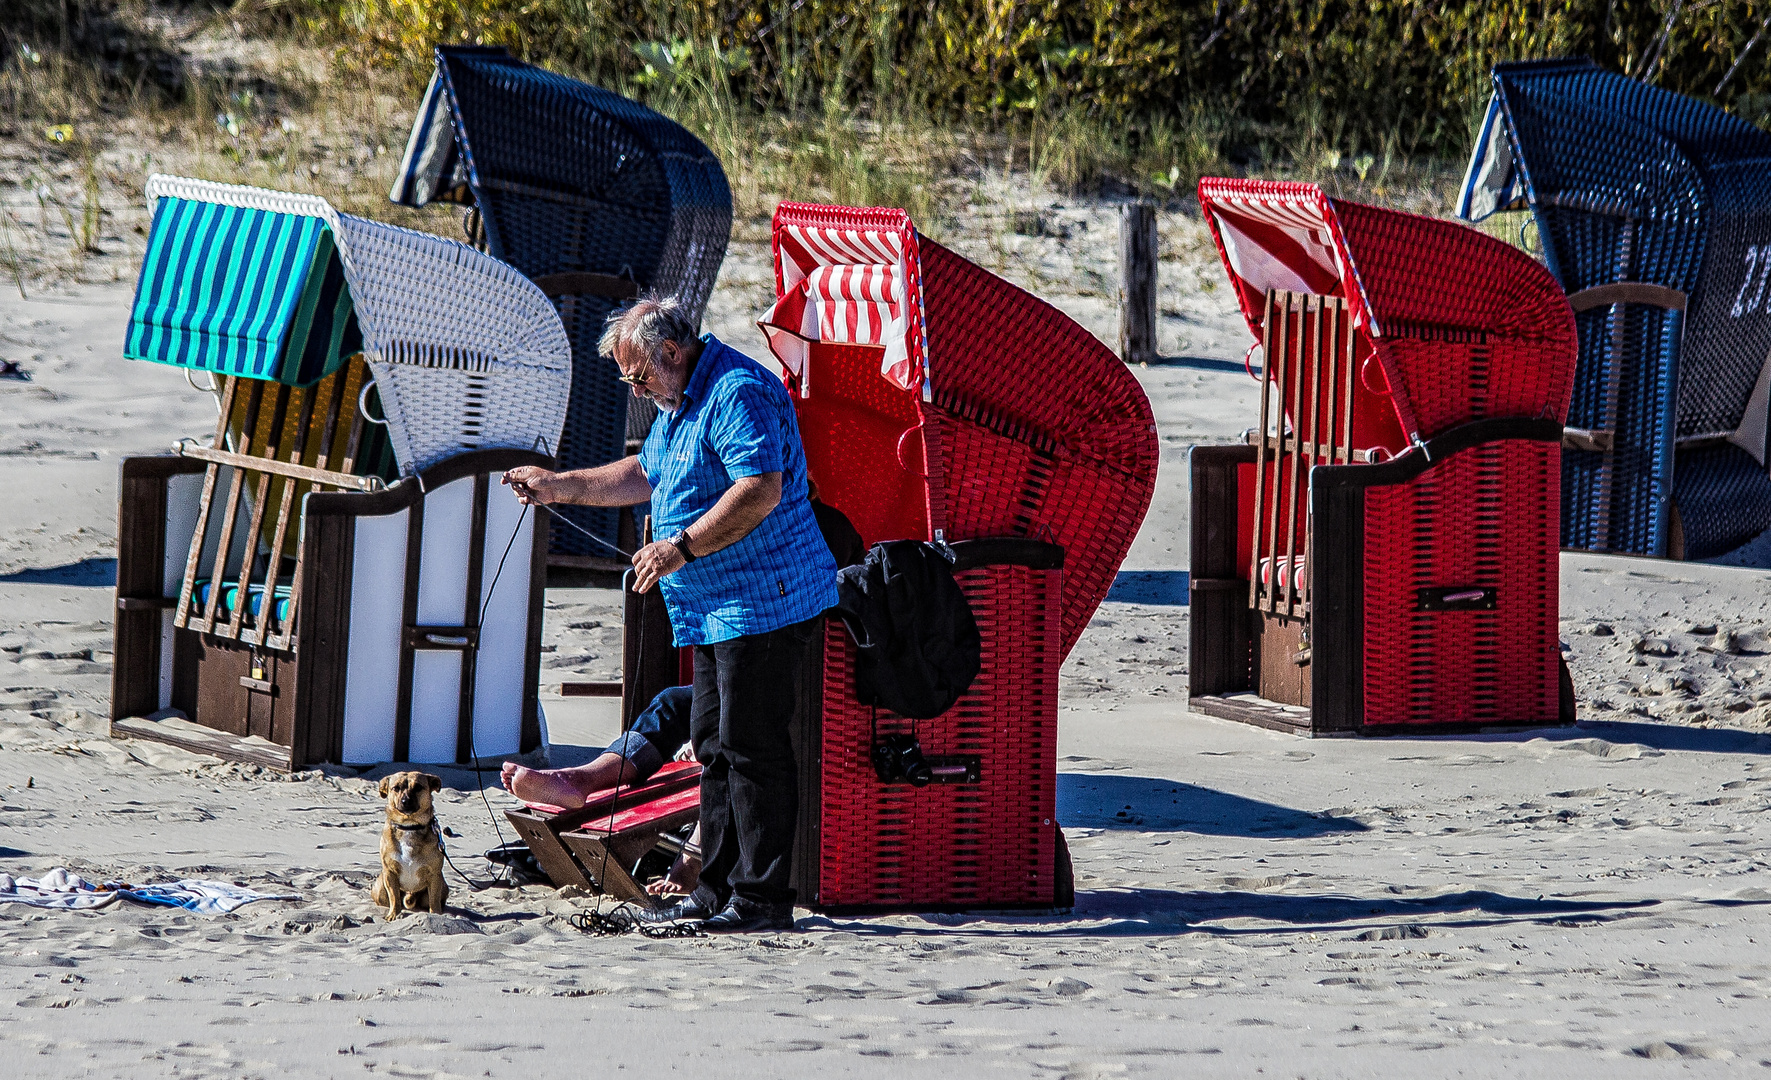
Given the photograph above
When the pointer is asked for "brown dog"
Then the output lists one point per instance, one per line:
(411, 846)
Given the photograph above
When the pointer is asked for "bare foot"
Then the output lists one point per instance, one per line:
(564, 788)
(681, 880)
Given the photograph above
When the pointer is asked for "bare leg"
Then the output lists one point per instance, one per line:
(567, 788)
(684, 874)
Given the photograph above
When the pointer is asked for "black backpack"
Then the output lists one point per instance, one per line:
(918, 645)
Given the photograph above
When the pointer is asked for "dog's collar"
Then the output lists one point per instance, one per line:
(426, 827)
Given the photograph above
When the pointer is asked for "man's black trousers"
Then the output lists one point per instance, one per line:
(740, 726)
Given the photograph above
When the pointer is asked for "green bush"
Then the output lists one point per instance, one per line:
(1406, 72)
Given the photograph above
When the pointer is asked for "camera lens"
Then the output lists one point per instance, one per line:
(915, 769)
(899, 757)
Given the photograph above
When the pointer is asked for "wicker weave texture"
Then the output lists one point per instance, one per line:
(1464, 329)
(1628, 182)
(1682, 194)
(1038, 429)
(1485, 518)
(1457, 320)
(467, 354)
(1027, 426)
(988, 844)
(1724, 499)
(571, 177)
(1621, 500)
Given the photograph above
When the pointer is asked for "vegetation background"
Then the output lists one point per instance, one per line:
(901, 102)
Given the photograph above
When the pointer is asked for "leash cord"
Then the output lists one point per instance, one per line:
(503, 876)
(621, 920)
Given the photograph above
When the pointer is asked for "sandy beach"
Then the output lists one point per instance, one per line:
(1573, 901)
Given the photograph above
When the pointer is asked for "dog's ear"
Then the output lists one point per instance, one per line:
(383, 788)
(435, 783)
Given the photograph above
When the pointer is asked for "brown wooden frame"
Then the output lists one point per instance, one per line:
(1224, 649)
(301, 686)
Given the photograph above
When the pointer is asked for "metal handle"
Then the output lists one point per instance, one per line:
(363, 404)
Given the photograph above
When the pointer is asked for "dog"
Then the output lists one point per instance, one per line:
(411, 847)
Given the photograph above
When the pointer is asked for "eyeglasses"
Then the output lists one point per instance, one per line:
(644, 377)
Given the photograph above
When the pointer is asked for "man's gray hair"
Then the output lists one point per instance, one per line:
(646, 325)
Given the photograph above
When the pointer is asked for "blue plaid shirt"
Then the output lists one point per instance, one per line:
(736, 420)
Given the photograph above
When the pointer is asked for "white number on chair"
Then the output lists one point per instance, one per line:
(1757, 259)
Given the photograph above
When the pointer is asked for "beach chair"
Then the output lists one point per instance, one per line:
(597, 846)
(1654, 212)
(1381, 556)
(597, 199)
(286, 586)
(938, 402)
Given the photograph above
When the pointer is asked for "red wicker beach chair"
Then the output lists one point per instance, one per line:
(937, 401)
(1381, 556)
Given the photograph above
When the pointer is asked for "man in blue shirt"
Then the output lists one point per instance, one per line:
(745, 575)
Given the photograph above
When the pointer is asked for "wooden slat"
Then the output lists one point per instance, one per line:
(137, 628)
(230, 511)
(1296, 461)
(606, 688)
(269, 621)
(243, 597)
(1316, 350)
(1260, 454)
(328, 430)
(476, 557)
(1347, 387)
(408, 617)
(204, 502)
(1330, 450)
(258, 463)
(329, 543)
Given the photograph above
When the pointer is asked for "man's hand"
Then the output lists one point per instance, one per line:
(656, 560)
(530, 483)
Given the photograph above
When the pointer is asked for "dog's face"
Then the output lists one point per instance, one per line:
(408, 794)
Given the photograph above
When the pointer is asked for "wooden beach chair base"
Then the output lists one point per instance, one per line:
(595, 846)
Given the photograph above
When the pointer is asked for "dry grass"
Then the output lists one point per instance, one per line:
(282, 111)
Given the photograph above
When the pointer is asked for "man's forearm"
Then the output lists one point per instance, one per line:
(619, 483)
(742, 508)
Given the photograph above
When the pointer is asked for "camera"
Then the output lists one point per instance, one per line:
(899, 758)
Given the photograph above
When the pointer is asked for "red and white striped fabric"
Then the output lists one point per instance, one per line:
(1280, 236)
(1288, 566)
(844, 286)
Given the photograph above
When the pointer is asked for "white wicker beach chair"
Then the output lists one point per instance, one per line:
(467, 354)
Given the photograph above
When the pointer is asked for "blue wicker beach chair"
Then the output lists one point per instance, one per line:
(1655, 216)
(595, 197)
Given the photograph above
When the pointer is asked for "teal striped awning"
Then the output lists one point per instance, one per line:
(242, 291)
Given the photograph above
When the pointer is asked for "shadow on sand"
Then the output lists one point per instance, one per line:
(84, 572)
(1644, 733)
(1149, 804)
(1163, 587)
(1205, 363)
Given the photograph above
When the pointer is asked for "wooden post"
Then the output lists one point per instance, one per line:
(1137, 281)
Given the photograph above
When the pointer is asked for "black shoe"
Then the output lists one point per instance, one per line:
(741, 916)
(688, 909)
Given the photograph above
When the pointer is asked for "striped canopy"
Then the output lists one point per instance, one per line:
(849, 286)
(245, 291)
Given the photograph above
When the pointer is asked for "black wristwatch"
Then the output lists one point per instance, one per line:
(681, 542)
